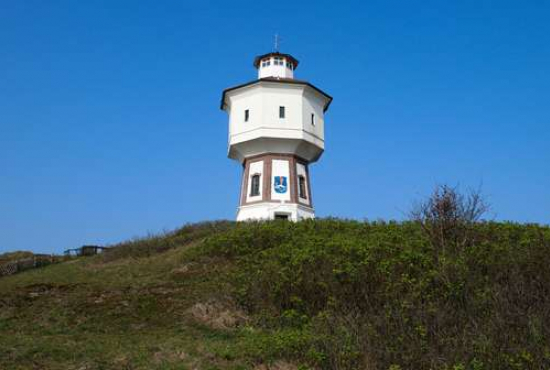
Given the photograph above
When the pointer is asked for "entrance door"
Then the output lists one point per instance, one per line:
(281, 216)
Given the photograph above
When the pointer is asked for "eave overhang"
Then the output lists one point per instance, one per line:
(276, 80)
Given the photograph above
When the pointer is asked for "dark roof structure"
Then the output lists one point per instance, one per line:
(277, 80)
(258, 59)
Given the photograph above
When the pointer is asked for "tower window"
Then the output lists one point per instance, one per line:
(302, 187)
(313, 119)
(246, 115)
(281, 112)
(265, 62)
(278, 61)
(255, 185)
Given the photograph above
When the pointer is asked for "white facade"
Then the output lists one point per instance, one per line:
(256, 169)
(269, 211)
(276, 129)
(276, 66)
(295, 133)
(280, 170)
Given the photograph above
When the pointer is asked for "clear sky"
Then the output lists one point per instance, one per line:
(110, 126)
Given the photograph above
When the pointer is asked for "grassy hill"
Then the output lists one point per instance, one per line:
(14, 256)
(325, 294)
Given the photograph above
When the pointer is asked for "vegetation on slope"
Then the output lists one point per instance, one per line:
(349, 295)
(14, 256)
(325, 294)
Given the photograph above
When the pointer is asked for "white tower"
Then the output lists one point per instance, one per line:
(276, 129)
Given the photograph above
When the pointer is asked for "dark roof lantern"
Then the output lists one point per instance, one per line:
(259, 58)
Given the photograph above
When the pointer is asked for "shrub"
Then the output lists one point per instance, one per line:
(448, 216)
(375, 295)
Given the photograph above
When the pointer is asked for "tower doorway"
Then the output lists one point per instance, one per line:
(282, 216)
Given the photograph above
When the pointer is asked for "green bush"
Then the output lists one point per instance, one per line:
(323, 294)
(376, 295)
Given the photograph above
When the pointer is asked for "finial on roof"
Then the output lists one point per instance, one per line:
(276, 43)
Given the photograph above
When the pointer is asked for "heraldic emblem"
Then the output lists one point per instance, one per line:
(280, 184)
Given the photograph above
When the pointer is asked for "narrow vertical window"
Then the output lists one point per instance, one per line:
(281, 112)
(302, 187)
(255, 186)
(313, 119)
(246, 115)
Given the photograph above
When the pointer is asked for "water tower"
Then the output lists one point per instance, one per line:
(276, 130)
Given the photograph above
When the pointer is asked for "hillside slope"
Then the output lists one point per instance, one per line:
(324, 294)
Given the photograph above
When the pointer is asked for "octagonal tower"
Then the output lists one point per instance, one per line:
(276, 129)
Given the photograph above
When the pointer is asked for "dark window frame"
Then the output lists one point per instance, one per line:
(246, 115)
(282, 112)
(255, 185)
(313, 119)
(302, 189)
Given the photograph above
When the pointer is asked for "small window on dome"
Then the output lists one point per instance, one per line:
(278, 61)
(266, 62)
(246, 115)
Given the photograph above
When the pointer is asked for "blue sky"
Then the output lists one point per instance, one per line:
(110, 125)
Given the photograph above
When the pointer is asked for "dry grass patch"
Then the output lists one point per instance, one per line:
(278, 365)
(217, 315)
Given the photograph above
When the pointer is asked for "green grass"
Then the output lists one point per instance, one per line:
(324, 294)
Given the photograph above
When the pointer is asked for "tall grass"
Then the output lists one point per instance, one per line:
(374, 295)
(153, 244)
(325, 293)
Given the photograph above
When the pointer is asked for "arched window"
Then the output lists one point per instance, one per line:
(302, 187)
(255, 185)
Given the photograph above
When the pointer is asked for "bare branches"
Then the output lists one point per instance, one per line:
(448, 215)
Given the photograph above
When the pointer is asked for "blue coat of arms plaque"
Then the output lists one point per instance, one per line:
(280, 184)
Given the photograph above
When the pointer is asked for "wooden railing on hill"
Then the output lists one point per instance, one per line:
(22, 264)
(40, 260)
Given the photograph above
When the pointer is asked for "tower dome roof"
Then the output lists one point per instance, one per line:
(291, 59)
